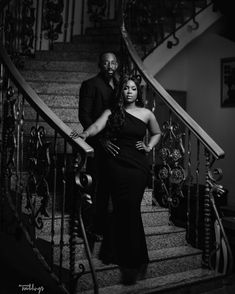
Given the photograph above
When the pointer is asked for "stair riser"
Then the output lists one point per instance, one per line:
(81, 47)
(155, 219)
(149, 219)
(56, 88)
(80, 66)
(56, 101)
(106, 40)
(70, 56)
(153, 243)
(54, 76)
(108, 31)
(66, 115)
(110, 277)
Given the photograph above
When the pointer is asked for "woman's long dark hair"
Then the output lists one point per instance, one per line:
(117, 117)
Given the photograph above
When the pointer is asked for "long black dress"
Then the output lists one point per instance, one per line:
(124, 240)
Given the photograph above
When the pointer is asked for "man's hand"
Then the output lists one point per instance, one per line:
(109, 146)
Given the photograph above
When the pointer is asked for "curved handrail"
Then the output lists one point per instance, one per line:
(179, 27)
(45, 112)
(207, 141)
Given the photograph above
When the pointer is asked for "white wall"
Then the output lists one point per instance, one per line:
(197, 70)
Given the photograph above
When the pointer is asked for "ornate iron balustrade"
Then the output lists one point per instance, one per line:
(183, 163)
(42, 177)
(33, 25)
(150, 23)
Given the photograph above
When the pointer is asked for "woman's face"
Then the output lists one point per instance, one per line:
(130, 92)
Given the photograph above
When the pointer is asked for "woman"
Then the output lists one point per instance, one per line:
(124, 128)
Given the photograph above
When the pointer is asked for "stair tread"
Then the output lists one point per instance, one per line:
(156, 255)
(55, 76)
(66, 66)
(149, 231)
(157, 284)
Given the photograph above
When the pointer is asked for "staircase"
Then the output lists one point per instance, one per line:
(56, 76)
(173, 262)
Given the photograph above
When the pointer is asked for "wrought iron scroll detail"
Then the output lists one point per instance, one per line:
(83, 183)
(19, 31)
(52, 20)
(37, 185)
(171, 173)
(27, 33)
(96, 10)
(8, 165)
(8, 135)
(221, 257)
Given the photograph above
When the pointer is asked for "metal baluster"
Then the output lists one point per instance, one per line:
(63, 208)
(19, 153)
(82, 17)
(54, 196)
(66, 20)
(36, 26)
(2, 196)
(41, 29)
(189, 188)
(72, 21)
(197, 197)
(108, 10)
(207, 214)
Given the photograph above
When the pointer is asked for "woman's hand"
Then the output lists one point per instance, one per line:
(109, 146)
(140, 145)
(74, 134)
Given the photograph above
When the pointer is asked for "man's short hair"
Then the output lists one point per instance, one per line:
(104, 53)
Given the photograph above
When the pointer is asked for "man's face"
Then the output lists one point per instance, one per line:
(108, 64)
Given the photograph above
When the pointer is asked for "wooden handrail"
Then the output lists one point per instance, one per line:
(44, 111)
(204, 138)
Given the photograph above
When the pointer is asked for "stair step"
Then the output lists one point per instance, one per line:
(68, 115)
(96, 47)
(55, 76)
(156, 238)
(67, 55)
(110, 32)
(62, 88)
(57, 100)
(106, 40)
(162, 262)
(151, 216)
(174, 283)
(80, 66)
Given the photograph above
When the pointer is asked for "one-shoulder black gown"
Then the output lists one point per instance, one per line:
(124, 241)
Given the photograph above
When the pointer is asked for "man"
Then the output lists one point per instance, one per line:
(96, 95)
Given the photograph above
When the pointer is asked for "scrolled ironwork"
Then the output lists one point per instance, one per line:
(96, 10)
(150, 23)
(37, 186)
(8, 132)
(171, 43)
(171, 173)
(52, 20)
(27, 30)
(222, 251)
